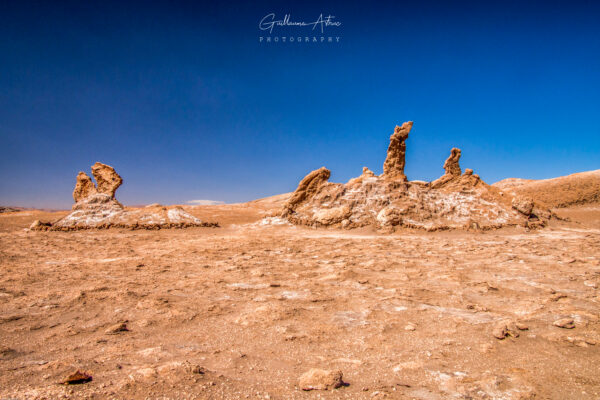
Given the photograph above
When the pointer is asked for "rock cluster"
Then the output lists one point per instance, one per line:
(453, 201)
(97, 208)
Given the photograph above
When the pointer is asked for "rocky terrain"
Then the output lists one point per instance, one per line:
(261, 308)
(97, 208)
(456, 200)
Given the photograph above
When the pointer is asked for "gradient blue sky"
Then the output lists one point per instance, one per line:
(185, 103)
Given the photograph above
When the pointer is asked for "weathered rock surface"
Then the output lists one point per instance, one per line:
(320, 379)
(452, 168)
(38, 225)
(393, 167)
(84, 187)
(566, 323)
(308, 187)
(107, 179)
(97, 207)
(453, 201)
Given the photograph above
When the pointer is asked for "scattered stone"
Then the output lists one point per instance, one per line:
(197, 369)
(580, 341)
(500, 331)
(320, 379)
(522, 326)
(6, 352)
(117, 328)
(77, 378)
(558, 296)
(409, 327)
(523, 205)
(513, 329)
(38, 225)
(505, 328)
(566, 323)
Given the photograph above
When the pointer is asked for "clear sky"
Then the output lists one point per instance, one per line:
(186, 103)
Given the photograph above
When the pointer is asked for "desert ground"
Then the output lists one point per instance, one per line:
(245, 309)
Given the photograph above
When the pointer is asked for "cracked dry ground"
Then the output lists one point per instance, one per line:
(242, 312)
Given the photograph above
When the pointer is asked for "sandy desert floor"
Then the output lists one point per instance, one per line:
(242, 311)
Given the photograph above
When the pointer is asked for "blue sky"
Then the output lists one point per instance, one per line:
(186, 103)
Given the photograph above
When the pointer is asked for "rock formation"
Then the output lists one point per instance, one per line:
(393, 167)
(452, 168)
(308, 187)
(84, 187)
(108, 181)
(367, 172)
(453, 201)
(451, 165)
(96, 207)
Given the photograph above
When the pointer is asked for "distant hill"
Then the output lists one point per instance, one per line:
(574, 189)
(5, 209)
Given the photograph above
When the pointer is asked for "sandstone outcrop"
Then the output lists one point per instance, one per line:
(393, 167)
(454, 172)
(97, 208)
(451, 165)
(84, 187)
(455, 200)
(107, 179)
(308, 187)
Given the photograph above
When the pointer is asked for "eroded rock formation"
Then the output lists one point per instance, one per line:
(455, 200)
(452, 168)
(451, 164)
(307, 187)
(107, 179)
(96, 207)
(393, 167)
(84, 187)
